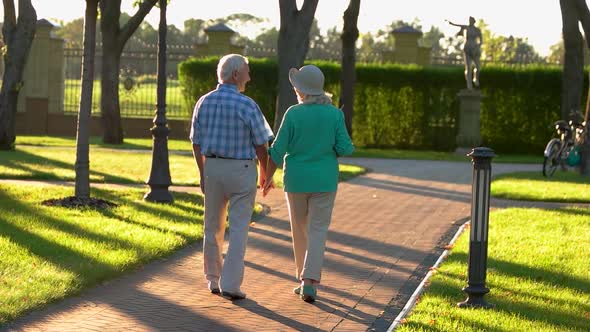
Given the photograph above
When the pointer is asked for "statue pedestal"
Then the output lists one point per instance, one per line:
(468, 136)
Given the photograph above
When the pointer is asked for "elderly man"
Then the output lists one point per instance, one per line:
(228, 132)
(471, 51)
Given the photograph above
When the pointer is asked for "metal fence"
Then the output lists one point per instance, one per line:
(137, 82)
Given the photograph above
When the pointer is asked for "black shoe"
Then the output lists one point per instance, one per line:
(233, 296)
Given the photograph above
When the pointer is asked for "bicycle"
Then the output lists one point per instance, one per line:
(565, 150)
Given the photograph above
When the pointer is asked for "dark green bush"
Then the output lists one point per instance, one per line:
(409, 106)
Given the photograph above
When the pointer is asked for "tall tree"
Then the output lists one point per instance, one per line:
(573, 60)
(266, 39)
(293, 44)
(82, 166)
(18, 36)
(432, 38)
(584, 17)
(72, 32)
(574, 12)
(114, 37)
(556, 53)
(194, 31)
(350, 34)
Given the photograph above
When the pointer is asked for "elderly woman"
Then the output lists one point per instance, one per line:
(311, 137)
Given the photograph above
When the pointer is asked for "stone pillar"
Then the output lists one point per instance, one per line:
(43, 77)
(469, 120)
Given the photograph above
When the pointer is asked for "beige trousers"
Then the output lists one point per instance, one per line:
(233, 182)
(310, 215)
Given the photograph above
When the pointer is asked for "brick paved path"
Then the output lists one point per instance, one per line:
(388, 226)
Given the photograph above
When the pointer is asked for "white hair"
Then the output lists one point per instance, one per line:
(228, 64)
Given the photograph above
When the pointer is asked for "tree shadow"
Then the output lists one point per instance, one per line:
(540, 275)
(31, 162)
(89, 270)
(18, 208)
(412, 189)
(357, 257)
(159, 209)
(148, 312)
(364, 243)
(260, 310)
(322, 287)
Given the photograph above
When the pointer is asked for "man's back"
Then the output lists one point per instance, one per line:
(229, 124)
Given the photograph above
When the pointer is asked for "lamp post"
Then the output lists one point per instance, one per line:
(478, 240)
(159, 179)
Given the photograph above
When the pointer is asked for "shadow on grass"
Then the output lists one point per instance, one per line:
(196, 202)
(30, 162)
(157, 209)
(27, 211)
(551, 279)
(20, 218)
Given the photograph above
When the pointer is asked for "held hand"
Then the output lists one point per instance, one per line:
(268, 185)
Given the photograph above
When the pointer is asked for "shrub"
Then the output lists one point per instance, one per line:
(409, 106)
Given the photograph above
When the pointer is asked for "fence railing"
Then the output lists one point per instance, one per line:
(137, 90)
(137, 83)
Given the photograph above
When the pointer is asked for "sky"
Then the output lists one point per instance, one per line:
(537, 20)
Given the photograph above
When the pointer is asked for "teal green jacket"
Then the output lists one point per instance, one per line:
(310, 139)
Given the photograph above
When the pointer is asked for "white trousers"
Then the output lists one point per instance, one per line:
(233, 182)
(310, 215)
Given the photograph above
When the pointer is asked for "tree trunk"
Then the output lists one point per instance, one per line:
(114, 38)
(292, 46)
(350, 34)
(82, 166)
(109, 99)
(581, 8)
(573, 65)
(18, 37)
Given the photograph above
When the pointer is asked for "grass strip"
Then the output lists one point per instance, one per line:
(568, 187)
(360, 152)
(108, 166)
(537, 274)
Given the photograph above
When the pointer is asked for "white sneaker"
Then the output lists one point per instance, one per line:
(213, 287)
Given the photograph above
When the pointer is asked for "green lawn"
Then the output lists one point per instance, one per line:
(185, 145)
(48, 253)
(533, 186)
(57, 163)
(538, 263)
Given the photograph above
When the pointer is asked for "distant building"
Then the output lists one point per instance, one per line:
(218, 42)
(407, 49)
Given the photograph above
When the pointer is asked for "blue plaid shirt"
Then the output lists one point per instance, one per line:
(228, 124)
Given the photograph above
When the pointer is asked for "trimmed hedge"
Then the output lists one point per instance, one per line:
(408, 106)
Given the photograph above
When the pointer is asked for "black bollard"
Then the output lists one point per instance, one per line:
(478, 242)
